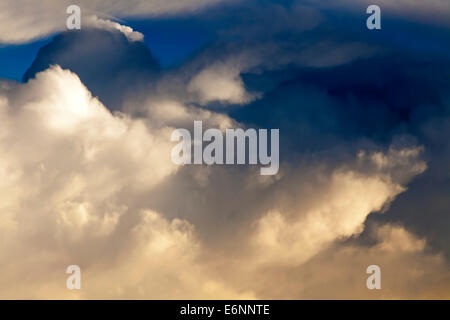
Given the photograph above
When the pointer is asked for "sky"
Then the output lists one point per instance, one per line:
(85, 149)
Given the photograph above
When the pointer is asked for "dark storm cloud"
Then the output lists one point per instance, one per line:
(333, 87)
(106, 61)
(378, 100)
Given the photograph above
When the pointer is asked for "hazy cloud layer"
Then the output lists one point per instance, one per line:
(25, 20)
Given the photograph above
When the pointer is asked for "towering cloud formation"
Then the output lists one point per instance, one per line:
(76, 189)
(101, 58)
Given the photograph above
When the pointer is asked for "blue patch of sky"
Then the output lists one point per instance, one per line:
(15, 59)
(172, 40)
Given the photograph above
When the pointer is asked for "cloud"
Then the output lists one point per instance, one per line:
(409, 270)
(58, 196)
(25, 20)
(220, 82)
(337, 211)
(131, 35)
(62, 149)
(101, 58)
(435, 12)
(83, 183)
